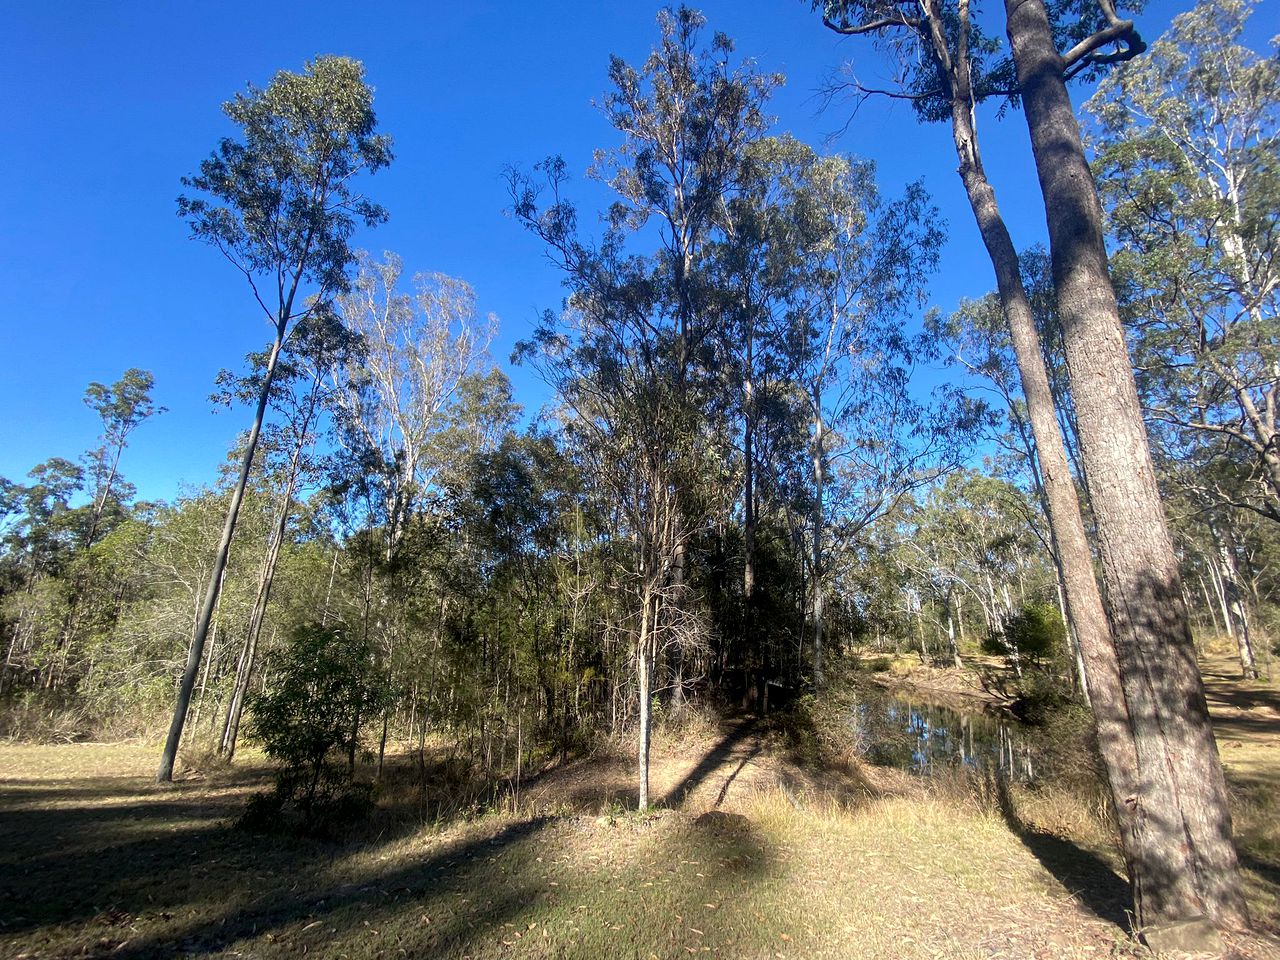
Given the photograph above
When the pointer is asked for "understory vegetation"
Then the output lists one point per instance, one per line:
(773, 839)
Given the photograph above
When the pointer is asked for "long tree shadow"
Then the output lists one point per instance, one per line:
(716, 757)
(1085, 875)
(728, 781)
(159, 853)
(165, 891)
(196, 887)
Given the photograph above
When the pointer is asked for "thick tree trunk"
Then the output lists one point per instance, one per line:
(1083, 600)
(1182, 858)
(165, 773)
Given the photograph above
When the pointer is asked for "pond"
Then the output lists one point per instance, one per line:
(910, 732)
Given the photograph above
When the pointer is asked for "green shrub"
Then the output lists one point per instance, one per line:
(1035, 634)
(308, 720)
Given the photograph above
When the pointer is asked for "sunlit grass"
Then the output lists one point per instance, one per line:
(843, 862)
(104, 865)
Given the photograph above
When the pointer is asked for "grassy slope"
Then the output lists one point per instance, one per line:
(95, 861)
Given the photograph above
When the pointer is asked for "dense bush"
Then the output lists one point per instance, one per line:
(308, 720)
(1035, 633)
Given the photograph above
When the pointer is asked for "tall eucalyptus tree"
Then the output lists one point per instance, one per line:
(280, 205)
(821, 273)
(1189, 167)
(630, 356)
(1166, 782)
(301, 394)
(396, 393)
(949, 71)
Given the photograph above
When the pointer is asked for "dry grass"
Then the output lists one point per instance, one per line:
(102, 865)
(804, 853)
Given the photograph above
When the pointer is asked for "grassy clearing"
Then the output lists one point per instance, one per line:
(759, 853)
(108, 866)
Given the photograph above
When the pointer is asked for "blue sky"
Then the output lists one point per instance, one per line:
(108, 104)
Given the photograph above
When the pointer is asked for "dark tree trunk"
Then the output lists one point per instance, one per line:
(1181, 854)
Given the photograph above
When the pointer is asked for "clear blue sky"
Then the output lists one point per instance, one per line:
(107, 104)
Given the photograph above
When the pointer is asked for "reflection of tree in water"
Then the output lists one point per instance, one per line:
(927, 738)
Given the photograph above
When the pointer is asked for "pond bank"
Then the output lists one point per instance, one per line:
(964, 688)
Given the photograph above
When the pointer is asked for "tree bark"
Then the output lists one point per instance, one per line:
(819, 484)
(1183, 862)
(1084, 602)
(1220, 592)
(644, 678)
(951, 634)
(248, 654)
(1208, 600)
(165, 773)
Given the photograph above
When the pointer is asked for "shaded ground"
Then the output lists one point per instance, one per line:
(112, 867)
(95, 861)
(1246, 718)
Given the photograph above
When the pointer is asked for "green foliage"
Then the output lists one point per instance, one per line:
(1043, 699)
(123, 405)
(1188, 163)
(324, 684)
(1036, 631)
(282, 200)
(923, 81)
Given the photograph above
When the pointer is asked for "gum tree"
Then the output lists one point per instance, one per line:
(1189, 165)
(1185, 863)
(121, 407)
(1166, 783)
(280, 203)
(630, 355)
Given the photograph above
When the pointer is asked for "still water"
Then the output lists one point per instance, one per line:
(897, 730)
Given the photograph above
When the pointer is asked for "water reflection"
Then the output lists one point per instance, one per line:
(925, 738)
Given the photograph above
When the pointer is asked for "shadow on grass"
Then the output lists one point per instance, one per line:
(1085, 875)
(155, 878)
(164, 875)
(718, 755)
(354, 906)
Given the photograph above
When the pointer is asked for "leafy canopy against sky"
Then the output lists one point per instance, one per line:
(110, 105)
